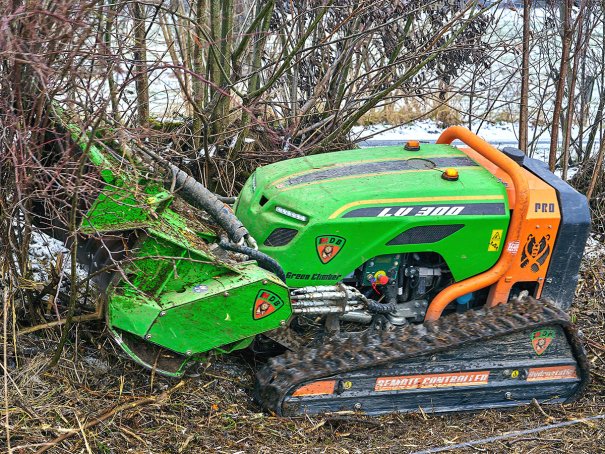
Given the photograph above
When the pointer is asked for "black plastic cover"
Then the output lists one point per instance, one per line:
(425, 234)
(515, 154)
(563, 271)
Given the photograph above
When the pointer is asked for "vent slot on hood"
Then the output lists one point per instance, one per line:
(424, 234)
(280, 237)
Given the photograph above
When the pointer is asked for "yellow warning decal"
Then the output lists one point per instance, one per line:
(495, 240)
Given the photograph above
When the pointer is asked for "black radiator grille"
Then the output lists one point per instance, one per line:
(280, 237)
(424, 234)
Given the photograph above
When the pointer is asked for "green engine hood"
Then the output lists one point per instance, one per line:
(369, 198)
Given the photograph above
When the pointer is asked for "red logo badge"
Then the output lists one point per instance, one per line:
(541, 340)
(328, 247)
(266, 303)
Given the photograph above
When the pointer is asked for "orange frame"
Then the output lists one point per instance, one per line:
(531, 233)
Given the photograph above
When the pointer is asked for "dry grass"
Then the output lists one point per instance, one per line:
(393, 114)
(212, 412)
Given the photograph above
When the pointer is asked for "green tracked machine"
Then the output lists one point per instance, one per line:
(384, 279)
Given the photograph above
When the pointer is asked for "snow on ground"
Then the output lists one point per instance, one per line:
(497, 134)
(428, 130)
(594, 249)
(44, 251)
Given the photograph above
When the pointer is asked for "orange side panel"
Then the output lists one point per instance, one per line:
(314, 389)
(537, 237)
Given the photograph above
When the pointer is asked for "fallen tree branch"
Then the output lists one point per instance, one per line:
(98, 315)
(79, 318)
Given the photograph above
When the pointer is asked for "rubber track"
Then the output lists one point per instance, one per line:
(288, 371)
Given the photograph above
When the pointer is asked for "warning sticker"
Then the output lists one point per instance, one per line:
(495, 240)
(315, 389)
(431, 381)
(513, 247)
(551, 373)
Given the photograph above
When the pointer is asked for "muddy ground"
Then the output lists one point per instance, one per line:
(213, 412)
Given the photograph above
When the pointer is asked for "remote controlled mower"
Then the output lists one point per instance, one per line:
(385, 278)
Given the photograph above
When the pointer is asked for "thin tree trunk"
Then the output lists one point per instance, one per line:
(523, 112)
(593, 130)
(170, 43)
(222, 109)
(597, 170)
(140, 58)
(73, 231)
(554, 139)
(179, 24)
(215, 34)
(110, 75)
(583, 95)
(294, 87)
(570, 109)
(198, 68)
(470, 103)
(5, 300)
(254, 83)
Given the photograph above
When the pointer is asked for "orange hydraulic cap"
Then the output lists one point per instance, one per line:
(450, 175)
(412, 145)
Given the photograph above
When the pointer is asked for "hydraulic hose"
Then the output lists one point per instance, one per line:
(375, 306)
(380, 308)
(227, 200)
(264, 261)
(196, 194)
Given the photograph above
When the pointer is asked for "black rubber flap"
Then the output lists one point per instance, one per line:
(563, 271)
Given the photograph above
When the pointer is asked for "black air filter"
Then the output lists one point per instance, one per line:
(280, 237)
(424, 234)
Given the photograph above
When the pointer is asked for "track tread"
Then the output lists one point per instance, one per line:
(285, 372)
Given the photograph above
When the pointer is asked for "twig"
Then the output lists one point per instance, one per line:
(592, 372)
(5, 337)
(74, 247)
(83, 434)
(110, 413)
(79, 318)
(155, 365)
(354, 420)
(132, 434)
(535, 403)
(223, 377)
(189, 438)
(595, 353)
(96, 393)
(532, 439)
(509, 435)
